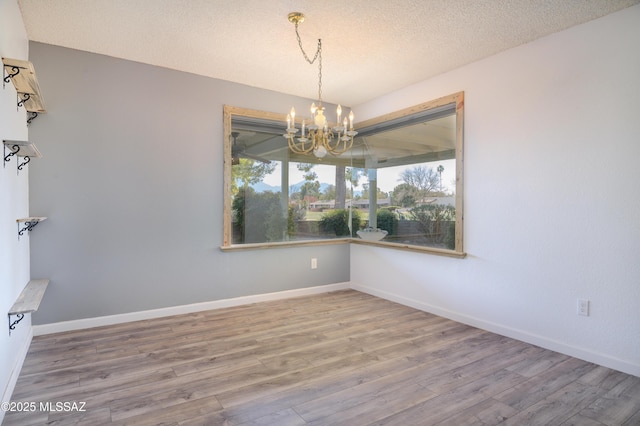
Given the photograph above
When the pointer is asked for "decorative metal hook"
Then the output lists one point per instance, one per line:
(23, 230)
(25, 162)
(12, 325)
(15, 71)
(28, 226)
(25, 98)
(32, 115)
(7, 157)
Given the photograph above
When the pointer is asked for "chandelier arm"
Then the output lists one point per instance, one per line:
(335, 148)
(300, 148)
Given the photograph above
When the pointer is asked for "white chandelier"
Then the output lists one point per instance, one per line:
(319, 136)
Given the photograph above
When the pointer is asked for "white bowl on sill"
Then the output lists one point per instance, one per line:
(370, 234)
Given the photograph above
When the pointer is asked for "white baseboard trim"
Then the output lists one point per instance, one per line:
(534, 339)
(15, 372)
(58, 327)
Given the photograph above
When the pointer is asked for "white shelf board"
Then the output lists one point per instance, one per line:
(31, 219)
(25, 82)
(27, 149)
(30, 298)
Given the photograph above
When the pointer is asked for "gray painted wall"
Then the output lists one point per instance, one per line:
(131, 180)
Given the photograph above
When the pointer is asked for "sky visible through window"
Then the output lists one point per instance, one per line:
(388, 178)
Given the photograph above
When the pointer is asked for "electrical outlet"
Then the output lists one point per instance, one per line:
(314, 263)
(583, 307)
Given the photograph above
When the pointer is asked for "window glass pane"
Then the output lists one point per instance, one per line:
(401, 183)
(414, 168)
(278, 196)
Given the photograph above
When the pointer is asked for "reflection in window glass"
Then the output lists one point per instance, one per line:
(289, 201)
(414, 166)
(415, 203)
(399, 184)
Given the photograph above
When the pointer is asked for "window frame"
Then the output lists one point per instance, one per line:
(456, 99)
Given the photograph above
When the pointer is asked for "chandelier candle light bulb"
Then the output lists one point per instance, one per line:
(320, 119)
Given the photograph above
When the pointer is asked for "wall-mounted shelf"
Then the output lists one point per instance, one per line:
(26, 224)
(28, 301)
(24, 149)
(23, 76)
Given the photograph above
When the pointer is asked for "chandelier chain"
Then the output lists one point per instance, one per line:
(320, 72)
(318, 56)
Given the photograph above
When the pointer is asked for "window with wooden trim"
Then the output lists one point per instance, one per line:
(399, 186)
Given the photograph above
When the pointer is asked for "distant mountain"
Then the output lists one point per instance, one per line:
(296, 186)
(263, 187)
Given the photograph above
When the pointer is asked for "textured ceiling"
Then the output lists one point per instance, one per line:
(370, 47)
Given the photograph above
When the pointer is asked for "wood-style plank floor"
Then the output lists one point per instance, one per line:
(342, 358)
